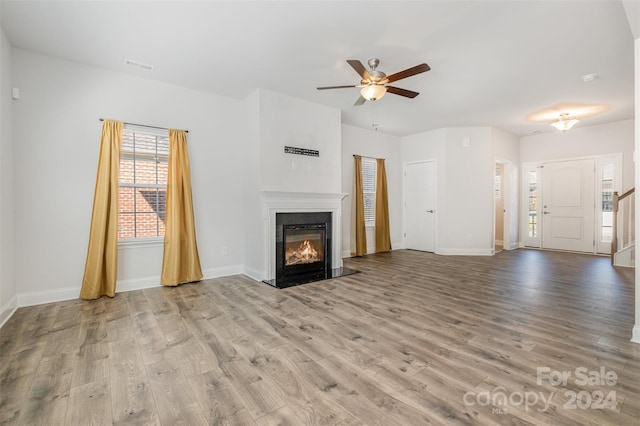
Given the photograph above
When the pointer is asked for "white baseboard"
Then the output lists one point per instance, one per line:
(254, 274)
(224, 271)
(464, 252)
(499, 242)
(31, 298)
(635, 334)
(137, 284)
(394, 246)
(8, 309)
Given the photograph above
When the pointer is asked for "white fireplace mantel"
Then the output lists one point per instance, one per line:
(291, 202)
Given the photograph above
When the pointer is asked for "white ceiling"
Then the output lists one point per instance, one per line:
(493, 63)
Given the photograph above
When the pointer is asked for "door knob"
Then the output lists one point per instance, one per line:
(429, 211)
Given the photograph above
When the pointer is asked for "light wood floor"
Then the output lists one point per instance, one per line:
(414, 339)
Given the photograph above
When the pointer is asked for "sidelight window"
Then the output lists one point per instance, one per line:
(606, 200)
(532, 226)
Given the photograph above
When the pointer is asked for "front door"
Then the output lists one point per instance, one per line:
(568, 205)
(420, 206)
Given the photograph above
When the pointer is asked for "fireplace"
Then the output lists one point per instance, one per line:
(312, 224)
(303, 247)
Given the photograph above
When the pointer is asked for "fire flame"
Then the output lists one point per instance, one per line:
(305, 253)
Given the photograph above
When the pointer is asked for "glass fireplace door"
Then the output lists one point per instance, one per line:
(304, 248)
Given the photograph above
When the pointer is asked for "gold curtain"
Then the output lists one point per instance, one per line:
(101, 266)
(180, 262)
(360, 234)
(383, 233)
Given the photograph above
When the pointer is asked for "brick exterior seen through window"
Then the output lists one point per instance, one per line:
(143, 185)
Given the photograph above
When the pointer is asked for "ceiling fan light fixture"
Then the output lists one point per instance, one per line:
(564, 123)
(373, 92)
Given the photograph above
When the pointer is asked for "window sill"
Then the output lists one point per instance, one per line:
(140, 242)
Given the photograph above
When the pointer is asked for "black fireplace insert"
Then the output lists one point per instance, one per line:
(303, 247)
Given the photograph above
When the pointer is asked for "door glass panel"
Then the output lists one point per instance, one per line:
(532, 228)
(607, 202)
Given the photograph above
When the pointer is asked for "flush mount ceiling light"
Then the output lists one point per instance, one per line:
(564, 123)
(551, 114)
(373, 92)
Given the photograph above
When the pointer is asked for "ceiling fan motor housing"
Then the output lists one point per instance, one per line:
(376, 75)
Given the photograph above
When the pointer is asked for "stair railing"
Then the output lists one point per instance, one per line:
(623, 226)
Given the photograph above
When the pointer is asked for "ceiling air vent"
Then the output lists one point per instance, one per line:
(142, 66)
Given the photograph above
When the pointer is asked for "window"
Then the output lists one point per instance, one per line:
(369, 170)
(144, 161)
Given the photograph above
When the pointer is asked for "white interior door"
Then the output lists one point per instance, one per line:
(420, 206)
(568, 210)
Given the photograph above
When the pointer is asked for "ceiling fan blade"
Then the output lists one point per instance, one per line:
(402, 92)
(360, 69)
(407, 73)
(360, 101)
(335, 87)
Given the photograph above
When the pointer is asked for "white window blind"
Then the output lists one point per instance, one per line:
(143, 184)
(369, 167)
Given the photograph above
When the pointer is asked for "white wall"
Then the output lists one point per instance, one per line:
(8, 290)
(56, 140)
(370, 143)
(584, 141)
(253, 214)
(286, 121)
(465, 203)
(467, 225)
(505, 145)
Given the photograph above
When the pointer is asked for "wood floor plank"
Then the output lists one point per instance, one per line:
(131, 399)
(91, 364)
(255, 391)
(174, 400)
(17, 372)
(290, 369)
(47, 401)
(388, 409)
(90, 404)
(219, 402)
(283, 416)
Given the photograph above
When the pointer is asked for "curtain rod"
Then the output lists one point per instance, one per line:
(144, 125)
(364, 156)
